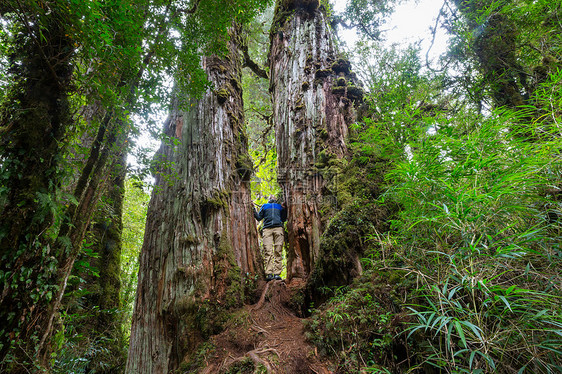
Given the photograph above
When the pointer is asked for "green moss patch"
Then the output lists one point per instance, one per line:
(342, 66)
(343, 243)
(338, 90)
(322, 73)
(244, 166)
(222, 95)
(355, 93)
(363, 325)
(198, 360)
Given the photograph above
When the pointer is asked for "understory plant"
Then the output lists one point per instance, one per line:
(479, 231)
(363, 325)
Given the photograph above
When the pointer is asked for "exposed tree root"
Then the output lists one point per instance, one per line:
(254, 356)
(259, 305)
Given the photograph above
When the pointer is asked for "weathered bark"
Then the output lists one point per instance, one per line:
(200, 239)
(313, 94)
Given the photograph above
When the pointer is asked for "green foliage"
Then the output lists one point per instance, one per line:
(478, 227)
(34, 110)
(402, 102)
(264, 182)
(502, 51)
(78, 353)
(368, 16)
(363, 324)
(135, 206)
(198, 359)
(475, 232)
(258, 112)
(475, 201)
(246, 366)
(82, 343)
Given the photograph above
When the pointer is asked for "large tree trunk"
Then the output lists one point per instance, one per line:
(313, 93)
(200, 240)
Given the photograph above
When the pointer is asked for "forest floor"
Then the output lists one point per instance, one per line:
(267, 337)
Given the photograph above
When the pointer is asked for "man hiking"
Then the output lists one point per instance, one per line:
(273, 215)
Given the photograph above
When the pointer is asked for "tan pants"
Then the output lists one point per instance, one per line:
(273, 249)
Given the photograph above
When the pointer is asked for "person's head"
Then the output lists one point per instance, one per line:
(271, 199)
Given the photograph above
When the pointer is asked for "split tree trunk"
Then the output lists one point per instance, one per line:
(201, 240)
(313, 94)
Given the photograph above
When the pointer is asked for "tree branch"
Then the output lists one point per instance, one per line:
(434, 34)
(248, 62)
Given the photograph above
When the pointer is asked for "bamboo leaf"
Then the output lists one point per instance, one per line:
(461, 333)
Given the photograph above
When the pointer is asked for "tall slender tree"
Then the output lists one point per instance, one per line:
(97, 281)
(34, 121)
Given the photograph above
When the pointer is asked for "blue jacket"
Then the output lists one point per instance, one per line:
(273, 215)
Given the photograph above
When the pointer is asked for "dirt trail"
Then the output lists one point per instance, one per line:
(269, 337)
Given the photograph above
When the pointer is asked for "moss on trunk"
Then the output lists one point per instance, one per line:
(311, 120)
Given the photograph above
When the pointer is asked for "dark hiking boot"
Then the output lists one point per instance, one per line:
(269, 277)
(277, 277)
